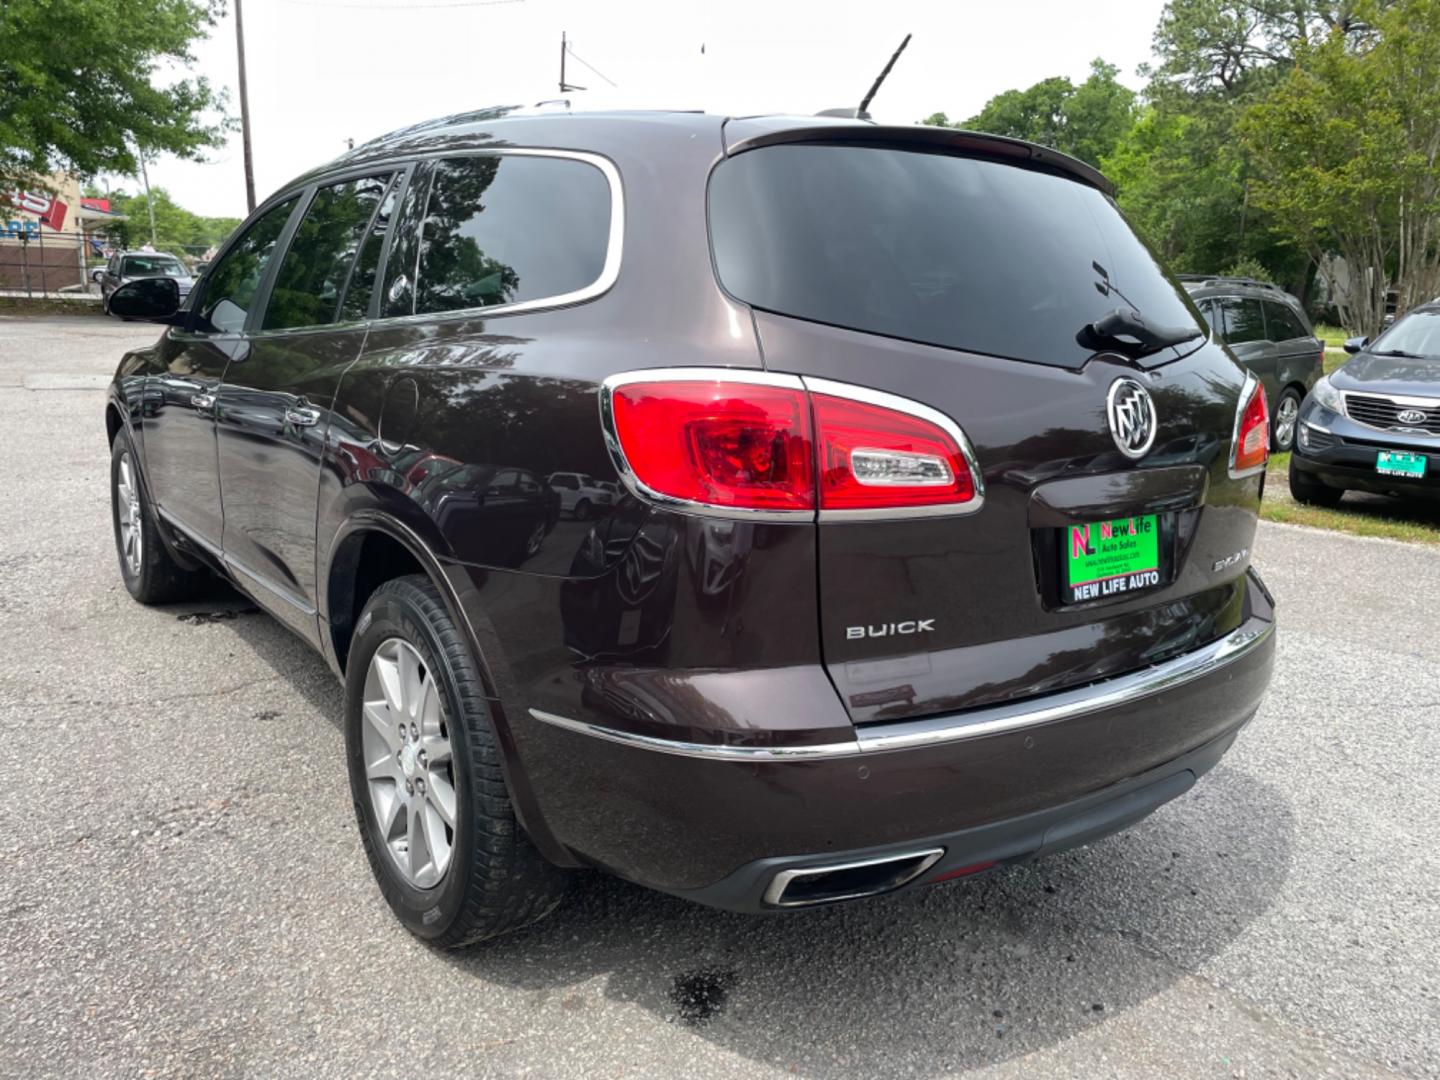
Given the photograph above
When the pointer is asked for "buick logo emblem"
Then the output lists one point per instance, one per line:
(1132, 417)
(1410, 416)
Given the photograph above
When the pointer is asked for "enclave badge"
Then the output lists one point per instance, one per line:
(1132, 417)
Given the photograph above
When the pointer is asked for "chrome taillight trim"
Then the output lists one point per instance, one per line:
(1252, 384)
(806, 384)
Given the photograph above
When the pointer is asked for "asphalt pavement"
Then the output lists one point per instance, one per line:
(183, 893)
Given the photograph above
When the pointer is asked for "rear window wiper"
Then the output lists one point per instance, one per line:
(1125, 330)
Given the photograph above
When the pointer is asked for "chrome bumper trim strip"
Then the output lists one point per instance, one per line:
(977, 723)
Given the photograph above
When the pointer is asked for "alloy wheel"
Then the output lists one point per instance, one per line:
(408, 767)
(127, 510)
(1285, 417)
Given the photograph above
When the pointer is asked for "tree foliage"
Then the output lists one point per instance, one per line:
(1085, 121)
(176, 228)
(1346, 148)
(79, 86)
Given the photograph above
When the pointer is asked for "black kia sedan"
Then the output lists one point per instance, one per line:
(932, 552)
(1374, 425)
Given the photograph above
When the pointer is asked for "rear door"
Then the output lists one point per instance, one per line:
(1248, 339)
(1297, 351)
(180, 461)
(273, 407)
(964, 284)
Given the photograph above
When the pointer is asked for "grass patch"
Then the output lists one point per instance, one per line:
(22, 305)
(1333, 336)
(1416, 521)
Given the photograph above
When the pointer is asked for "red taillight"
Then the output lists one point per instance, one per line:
(877, 458)
(719, 443)
(773, 445)
(1251, 448)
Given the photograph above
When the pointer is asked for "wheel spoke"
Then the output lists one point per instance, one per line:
(441, 796)
(382, 767)
(387, 806)
(411, 691)
(415, 836)
(390, 684)
(378, 715)
(437, 749)
(435, 840)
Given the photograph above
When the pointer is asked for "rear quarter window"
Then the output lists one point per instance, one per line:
(505, 229)
(1281, 323)
(946, 250)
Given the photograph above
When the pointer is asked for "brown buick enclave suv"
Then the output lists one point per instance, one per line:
(935, 501)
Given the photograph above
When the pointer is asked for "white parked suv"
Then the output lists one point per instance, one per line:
(580, 494)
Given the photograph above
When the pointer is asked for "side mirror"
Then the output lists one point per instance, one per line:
(1355, 344)
(97, 273)
(156, 299)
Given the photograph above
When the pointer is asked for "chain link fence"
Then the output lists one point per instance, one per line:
(55, 266)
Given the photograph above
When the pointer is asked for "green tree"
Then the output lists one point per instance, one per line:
(176, 228)
(1085, 121)
(78, 86)
(1347, 149)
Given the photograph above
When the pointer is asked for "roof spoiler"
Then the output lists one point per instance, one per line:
(752, 133)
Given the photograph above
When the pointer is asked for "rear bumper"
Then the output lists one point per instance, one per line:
(716, 823)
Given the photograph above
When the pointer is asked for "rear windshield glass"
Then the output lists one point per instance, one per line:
(152, 266)
(953, 251)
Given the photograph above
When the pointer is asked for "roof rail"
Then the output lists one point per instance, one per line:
(1227, 279)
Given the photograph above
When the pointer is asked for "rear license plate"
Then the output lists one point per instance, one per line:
(1108, 558)
(1390, 463)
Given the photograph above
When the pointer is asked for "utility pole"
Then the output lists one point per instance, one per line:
(244, 109)
(149, 201)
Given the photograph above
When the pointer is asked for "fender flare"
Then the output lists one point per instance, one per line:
(494, 681)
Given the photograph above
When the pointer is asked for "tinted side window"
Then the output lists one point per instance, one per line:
(1243, 320)
(313, 271)
(356, 304)
(502, 229)
(231, 283)
(1281, 323)
(399, 295)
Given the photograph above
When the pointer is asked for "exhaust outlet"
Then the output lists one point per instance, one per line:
(811, 885)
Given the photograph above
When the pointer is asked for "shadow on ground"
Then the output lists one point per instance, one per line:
(927, 981)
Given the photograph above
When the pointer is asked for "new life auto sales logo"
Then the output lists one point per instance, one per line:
(1133, 421)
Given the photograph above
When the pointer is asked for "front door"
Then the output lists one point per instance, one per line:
(273, 409)
(180, 461)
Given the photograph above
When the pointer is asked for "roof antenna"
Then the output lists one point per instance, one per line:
(863, 113)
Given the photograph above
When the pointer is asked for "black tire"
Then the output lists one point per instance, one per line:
(1306, 489)
(582, 510)
(158, 579)
(496, 881)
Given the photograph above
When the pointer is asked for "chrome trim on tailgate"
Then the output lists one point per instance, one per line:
(994, 720)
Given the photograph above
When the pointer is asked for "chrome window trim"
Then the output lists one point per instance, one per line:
(804, 383)
(614, 249)
(976, 723)
(920, 411)
(1251, 382)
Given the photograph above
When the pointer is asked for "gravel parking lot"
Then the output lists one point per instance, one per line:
(182, 890)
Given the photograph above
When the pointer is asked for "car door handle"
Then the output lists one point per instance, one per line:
(302, 417)
(202, 401)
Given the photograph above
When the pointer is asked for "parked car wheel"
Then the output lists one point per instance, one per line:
(582, 510)
(1287, 413)
(1313, 492)
(434, 815)
(150, 573)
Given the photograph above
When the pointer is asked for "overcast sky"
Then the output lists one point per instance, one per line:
(322, 71)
